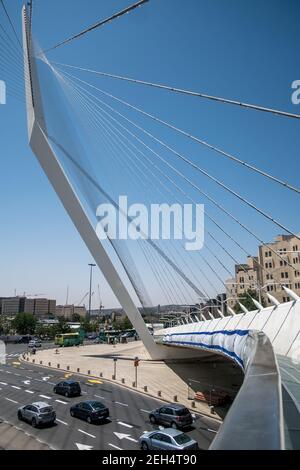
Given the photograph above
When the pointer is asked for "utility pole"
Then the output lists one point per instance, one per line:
(90, 295)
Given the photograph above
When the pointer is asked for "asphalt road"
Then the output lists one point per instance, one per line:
(21, 384)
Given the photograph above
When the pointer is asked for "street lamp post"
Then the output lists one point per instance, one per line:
(90, 294)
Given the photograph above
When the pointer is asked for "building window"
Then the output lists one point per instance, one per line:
(297, 285)
(295, 260)
(295, 248)
(266, 254)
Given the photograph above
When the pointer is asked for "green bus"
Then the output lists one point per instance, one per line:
(69, 339)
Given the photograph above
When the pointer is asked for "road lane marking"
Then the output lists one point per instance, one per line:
(62, 422)
(14, 386)
(98, 396)
(122, 436)
(83, 446)
(45, 396)
(125, 424)
(3, 383)
(9, 399)
(145, 411)
(62, 402)
(8, 372)
(18, 375)
(115, 447)
(29, 391)
(83, 432)
(119, 403)
(51, 383)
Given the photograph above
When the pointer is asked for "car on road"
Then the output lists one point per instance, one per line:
(174, 416)
(168, 439)
(90, 410)
(37, 414)
(23, 339)
(68, 388)
(35, 343)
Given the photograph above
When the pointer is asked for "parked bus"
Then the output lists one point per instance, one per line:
(69, 339)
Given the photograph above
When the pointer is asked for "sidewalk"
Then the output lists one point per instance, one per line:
(14, 438)
(98, 361)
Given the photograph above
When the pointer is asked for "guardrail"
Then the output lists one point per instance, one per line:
(255, 419)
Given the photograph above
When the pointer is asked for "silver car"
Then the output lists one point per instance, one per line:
(168, 439)
(37, 414)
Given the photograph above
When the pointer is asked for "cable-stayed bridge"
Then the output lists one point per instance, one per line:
(94, 145)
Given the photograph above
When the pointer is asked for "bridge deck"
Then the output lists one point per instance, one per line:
(290, 376)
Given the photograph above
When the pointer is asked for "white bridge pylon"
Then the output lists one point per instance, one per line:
(55, 173)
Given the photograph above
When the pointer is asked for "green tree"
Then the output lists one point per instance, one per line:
(24, 323)
(247, 301)
(76, 318)
(126, 324)
(89, 326)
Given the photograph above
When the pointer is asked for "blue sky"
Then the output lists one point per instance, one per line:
(240, 50)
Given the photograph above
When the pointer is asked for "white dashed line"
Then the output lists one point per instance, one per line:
(83, 432)
(51, 383)
(62, 402)
(45, 396)
(98, 396)
(145, 411)
(62, 422)
(3, 383)
(18, 375)
(9, 399)
(124, 424)
(8, 372)
(14, 386)
(119, 403)
(29, 391)
(115, 447)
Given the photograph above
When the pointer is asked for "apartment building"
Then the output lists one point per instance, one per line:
(248, 276)
(39, 307)
(67, 311)
(277, 264)
(281, 266)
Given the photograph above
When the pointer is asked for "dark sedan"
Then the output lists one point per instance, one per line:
(91, 411)
(68, 388)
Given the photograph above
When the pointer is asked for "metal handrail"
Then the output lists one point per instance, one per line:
(255, 419)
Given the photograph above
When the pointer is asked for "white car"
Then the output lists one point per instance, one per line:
(35, 344)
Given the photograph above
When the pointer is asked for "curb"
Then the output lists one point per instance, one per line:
(80, 374)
